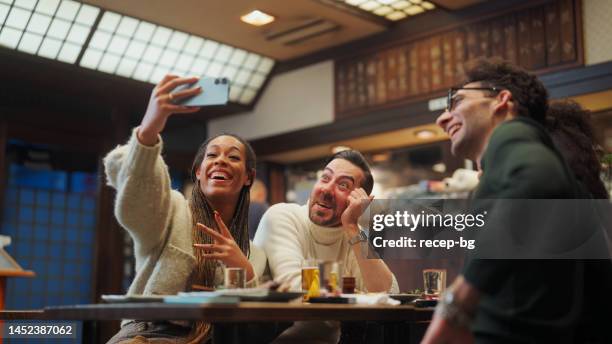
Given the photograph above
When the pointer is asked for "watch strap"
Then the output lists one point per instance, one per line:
(361, 237)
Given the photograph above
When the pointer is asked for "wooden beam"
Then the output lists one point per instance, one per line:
(109, 258)
(3, 165)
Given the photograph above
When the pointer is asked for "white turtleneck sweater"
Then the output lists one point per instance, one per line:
(288, 237)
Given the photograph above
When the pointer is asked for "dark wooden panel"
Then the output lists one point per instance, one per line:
(402, 73)
(448, 60)
(3, 165)
(435, 59)
(524, 40)
(553, 34)
(381, 78)
(278, 184)
(484, 39)
(538, 38)
(434, 63)
(424, 70)
(471, 41)
(392, 74)
(413, 67)
(362, 86)
(510, 39)
(497, 39)
(568, 32)
(459, 53)
(371, 80)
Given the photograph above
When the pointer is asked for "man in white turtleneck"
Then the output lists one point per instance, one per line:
(326, 228)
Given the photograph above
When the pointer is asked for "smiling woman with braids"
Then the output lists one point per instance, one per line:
(178, 242)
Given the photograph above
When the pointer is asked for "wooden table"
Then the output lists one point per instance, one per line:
(230, 317)
(243, 312)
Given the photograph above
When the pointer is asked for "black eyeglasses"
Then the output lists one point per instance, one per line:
(452, 91)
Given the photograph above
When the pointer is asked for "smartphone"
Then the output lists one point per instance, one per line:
(215, 91)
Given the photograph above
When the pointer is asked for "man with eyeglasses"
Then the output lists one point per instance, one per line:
(495, 118)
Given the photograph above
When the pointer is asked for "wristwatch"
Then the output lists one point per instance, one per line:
(361, 237)
(451, 311)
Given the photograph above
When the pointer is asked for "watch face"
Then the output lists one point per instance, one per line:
(362, 236)
(448, 297)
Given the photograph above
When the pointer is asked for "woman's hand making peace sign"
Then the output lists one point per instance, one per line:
(224, 248)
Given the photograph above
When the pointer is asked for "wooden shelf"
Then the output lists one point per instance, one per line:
(16, 273)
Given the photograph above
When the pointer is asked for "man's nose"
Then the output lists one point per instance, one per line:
(326, 189)
(443, 119)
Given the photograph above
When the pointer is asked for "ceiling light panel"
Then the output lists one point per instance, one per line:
(392, 10)
(144, 51)
(125, 46)
(54, 29)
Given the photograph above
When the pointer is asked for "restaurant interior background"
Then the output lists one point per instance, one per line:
(366, 74)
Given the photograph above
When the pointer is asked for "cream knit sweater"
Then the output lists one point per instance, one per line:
(288, 237)
(158, 220)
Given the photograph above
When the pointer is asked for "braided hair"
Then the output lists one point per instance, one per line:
(202, 212)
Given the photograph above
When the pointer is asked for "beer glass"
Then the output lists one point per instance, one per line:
(310, 279)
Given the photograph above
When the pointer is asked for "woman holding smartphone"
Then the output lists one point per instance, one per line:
(181, 242)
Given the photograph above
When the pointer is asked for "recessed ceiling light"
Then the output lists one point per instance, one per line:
(425, 134)
(257, 18)
(385, 8)
(381, 157)
(338, 149)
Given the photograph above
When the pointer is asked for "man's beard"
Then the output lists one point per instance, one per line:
(333, 221)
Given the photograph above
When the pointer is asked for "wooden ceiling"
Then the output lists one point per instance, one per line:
(220, 21)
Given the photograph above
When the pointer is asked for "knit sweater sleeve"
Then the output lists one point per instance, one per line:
(278, 234)
(142, 181)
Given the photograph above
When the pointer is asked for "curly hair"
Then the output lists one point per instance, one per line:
(527, 90)
(357, 159)
(570, 128)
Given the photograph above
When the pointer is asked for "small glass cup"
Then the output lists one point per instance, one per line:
(434, 281)
(348, 285)
(329, 274)
(235, 278)
(310, 279)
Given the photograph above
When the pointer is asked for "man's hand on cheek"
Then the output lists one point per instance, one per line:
(357, 203)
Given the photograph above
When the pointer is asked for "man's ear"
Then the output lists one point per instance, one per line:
(504, 102)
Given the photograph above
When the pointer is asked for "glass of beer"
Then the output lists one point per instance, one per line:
(310, 279)
(435, 282)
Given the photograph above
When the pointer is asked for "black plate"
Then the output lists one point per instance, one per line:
(274, 296)
(332, 299)
(405, 298)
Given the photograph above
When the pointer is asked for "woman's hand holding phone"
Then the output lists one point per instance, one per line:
(161, 106)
